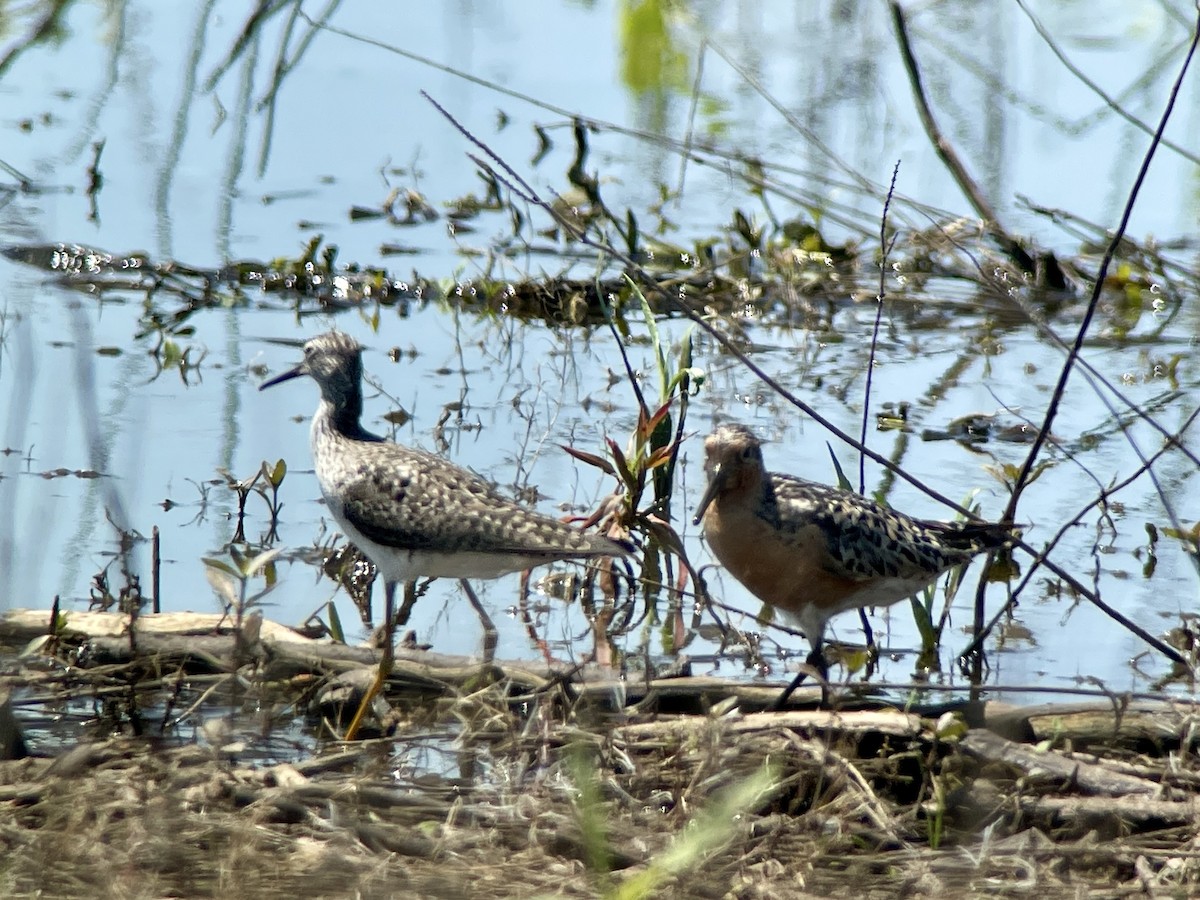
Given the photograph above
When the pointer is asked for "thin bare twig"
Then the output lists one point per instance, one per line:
(1110, 102)
(947, 153)
(1042, 557)
(1073, 354)
(884, 247)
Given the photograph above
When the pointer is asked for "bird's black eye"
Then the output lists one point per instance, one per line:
(309, 349)
(748, 454)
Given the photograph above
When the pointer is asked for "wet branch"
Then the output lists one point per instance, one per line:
(958, 170)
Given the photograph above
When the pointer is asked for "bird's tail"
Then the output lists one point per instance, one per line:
(977, 536)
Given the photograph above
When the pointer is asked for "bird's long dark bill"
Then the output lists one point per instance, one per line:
(286, 376)
(710, 494)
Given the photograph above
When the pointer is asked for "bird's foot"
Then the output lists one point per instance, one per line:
(815, 666)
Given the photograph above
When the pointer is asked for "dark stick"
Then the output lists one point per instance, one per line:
(884, 247)
(1094, 301)
(981, 635)
(945, 150)
(155, 571)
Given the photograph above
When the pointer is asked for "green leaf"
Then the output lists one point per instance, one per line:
(228, 587)
(221, 566)
(655, 339)
(921, 615)
(335, 624)
(623, 469)
(651, 425)
(256, 563)
(37, 646)
(711, 828)
(685, 350)
(589, 811)
(951, 727)
(660, 456)
(842, 480)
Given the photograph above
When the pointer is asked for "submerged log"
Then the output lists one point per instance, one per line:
(1110, 817)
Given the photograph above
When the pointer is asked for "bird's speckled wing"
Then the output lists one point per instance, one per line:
(409, 499)
(867, 540)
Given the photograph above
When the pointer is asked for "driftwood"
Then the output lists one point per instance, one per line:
(1171, 724)
(1099, 723)
(888, 722)
(1091, 777)
(27, 624)
(1111, 816)
(680, 693)
(209, 643)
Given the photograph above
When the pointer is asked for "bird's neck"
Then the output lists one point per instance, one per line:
(342, 417)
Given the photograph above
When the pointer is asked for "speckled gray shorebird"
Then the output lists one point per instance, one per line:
(814, 551)
(414, 514)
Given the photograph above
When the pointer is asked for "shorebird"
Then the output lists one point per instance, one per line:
(414, 514)
(814, 551)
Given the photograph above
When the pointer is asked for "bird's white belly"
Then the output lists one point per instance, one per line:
(811, 617)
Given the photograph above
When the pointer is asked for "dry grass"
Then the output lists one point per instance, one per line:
(549, 803)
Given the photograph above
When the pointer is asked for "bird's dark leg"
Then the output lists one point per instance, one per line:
(872, 647)
(814, 664)
(490, 636)
(386, 661)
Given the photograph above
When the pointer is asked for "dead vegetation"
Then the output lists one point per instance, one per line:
(553, 787)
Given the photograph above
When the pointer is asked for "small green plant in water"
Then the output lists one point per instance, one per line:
(650, 456)
(272, 477)
(333, 627)
(651, 453)
(231, 580)
(1189, 538)
(922, 607)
